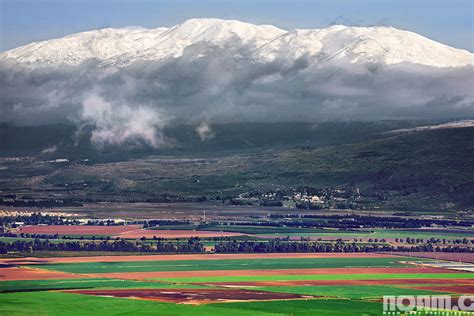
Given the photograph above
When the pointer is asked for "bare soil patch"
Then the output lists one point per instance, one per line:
(32, 260)
(77, 229)
(193, 296)
(23, 273)
(147, 233)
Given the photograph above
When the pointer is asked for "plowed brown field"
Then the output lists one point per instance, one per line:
(77, 230)
(193, 296)
(32, 260)
(139, 233)
(23, 273)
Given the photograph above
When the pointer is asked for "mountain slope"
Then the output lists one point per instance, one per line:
(385, 45)
(427, 170)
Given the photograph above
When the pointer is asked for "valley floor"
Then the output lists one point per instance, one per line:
(211, 284)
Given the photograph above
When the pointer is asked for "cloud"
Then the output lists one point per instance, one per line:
(136, 102)
(49, 150)
(204, 131)
(115, 124)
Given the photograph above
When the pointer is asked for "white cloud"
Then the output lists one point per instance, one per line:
(204, 131)
(49, 150)
(135, 103)
(117, 123)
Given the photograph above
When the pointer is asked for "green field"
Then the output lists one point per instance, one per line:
(377, 233)
(96, 283)
(349, 291)
(261, 230)
(57, 303)
(307, 277)
(235, 264)
(308, 307)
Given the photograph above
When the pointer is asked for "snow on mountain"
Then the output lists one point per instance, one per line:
(173, 41)
(100, 44)
(448, 125)
(385, 45)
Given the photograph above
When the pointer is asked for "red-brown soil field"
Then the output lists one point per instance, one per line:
(23, 273)
(461, 289)
(130, 231)
(219, 273)
(147, 233)
(77, 230)
(33, 260)
(193, 296)
(341, 282)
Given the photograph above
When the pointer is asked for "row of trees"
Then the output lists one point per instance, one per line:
(278, 245)
(193, 245)
(56, 236)
(46, 203)
(356, 221)
(157, 222)
(37, 219)
(432, 240)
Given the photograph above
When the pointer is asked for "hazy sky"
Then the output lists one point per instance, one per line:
(24, 21)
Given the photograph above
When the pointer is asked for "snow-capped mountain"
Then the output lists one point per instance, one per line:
(448, 125)
(382, 45)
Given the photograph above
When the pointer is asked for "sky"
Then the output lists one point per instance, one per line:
(23, 21)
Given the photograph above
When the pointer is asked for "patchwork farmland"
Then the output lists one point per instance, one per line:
(216, 284)
(253, 263)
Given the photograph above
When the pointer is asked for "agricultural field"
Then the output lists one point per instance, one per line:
(128, 231)
(220, 284)
(255, 262)
(458, 257)
(387, 234)
(240, 232)
(76, 230)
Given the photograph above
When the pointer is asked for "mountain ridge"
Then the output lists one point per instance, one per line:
(337, 43)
